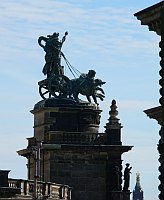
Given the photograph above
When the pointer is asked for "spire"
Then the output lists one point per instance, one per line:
(138, 192)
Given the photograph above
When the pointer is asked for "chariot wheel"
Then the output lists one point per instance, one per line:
(59, 85)
(44, 92)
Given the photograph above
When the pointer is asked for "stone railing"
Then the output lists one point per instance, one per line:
(72, 137)
(44, 190)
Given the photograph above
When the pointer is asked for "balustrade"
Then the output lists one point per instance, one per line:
(43, 189)
(72, 137)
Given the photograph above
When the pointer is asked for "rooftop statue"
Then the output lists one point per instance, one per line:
(59, 85)
(127, 173)
(52, 47)
(87, 85)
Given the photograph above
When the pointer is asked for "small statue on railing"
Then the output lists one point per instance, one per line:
(127, 173)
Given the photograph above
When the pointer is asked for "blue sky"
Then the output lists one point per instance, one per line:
(103, 35)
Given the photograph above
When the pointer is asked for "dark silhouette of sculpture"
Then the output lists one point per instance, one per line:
(88, 86)
(57, 84)
(127, 173)
(61, 85)
(53, 55)
(116, 179)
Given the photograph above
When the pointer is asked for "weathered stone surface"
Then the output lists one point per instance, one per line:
(74, 153)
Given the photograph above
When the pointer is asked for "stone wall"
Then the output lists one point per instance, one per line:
(84, 172)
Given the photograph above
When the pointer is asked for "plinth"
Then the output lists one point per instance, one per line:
(67, 148)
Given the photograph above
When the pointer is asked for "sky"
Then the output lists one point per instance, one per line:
(102, 35)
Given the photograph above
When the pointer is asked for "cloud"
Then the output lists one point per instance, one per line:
(130, 105)
(134, 105)
(106, 38)
(105, 32)
(23, 20)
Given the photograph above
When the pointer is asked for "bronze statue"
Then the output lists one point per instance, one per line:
(59, 85)
(127, 173)
(53, 55)
(88, 86)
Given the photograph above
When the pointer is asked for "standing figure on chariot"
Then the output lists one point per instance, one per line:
(59, 85)
(52, 47)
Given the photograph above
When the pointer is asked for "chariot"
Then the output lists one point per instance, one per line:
(55, 86)
(59, 85)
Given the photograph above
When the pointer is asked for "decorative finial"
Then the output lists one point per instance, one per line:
(113, 120)
(138, 177)
(138, 180)
(113, 112)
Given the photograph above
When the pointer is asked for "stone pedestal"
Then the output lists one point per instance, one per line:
(73, 152)
(64, 115)
(4, 178)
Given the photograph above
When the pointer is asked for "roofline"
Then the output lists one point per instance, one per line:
(149, 8)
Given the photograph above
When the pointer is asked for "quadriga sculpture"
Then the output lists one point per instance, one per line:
(88, 86)
(59, 85)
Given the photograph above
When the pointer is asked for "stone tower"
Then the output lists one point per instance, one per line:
(72, 151)
(67, 147)
(138, 192)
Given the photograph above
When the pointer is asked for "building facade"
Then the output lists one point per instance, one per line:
(72, 151)
(153, 17)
